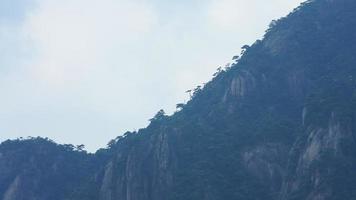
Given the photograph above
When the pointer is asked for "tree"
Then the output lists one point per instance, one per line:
(235, 57)
(218, 71)
(272, 24)
(227, 66)
(80, 147)
(118, 138)
(127, 133)
(189, 92)
(111, 143)
(244, 49)
(159, 116)
(69, 147)
(180, 106)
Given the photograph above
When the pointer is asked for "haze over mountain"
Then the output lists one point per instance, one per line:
(279, 124)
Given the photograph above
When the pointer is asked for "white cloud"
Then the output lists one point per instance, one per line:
(228, 13)
(73, 37)
(85, 71)
(245, 16)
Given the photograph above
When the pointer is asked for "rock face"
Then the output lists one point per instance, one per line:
(324, 161)
(145, 171)
(279, 125)
(38, 169)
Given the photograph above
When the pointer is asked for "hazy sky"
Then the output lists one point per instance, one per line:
(86, 71)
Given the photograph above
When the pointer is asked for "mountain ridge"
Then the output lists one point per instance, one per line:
(279, 124)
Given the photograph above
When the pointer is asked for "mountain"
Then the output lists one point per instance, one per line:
(279, 124)
(40, 169)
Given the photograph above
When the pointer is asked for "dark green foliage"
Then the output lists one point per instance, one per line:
(45, 170)
(280, 124)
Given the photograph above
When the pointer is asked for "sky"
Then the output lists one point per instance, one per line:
(86, 71)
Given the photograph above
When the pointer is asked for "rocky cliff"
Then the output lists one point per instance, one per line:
(280, 124)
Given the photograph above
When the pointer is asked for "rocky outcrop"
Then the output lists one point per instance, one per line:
(14, 190)
(145, 172)
(320, 152)
(267, 163)
(280, 124)
(242, 84)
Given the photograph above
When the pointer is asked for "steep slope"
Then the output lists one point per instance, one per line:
(38, 169)
(280, 124)
(277, 125)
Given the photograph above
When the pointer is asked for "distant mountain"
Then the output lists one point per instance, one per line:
(280, 124)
